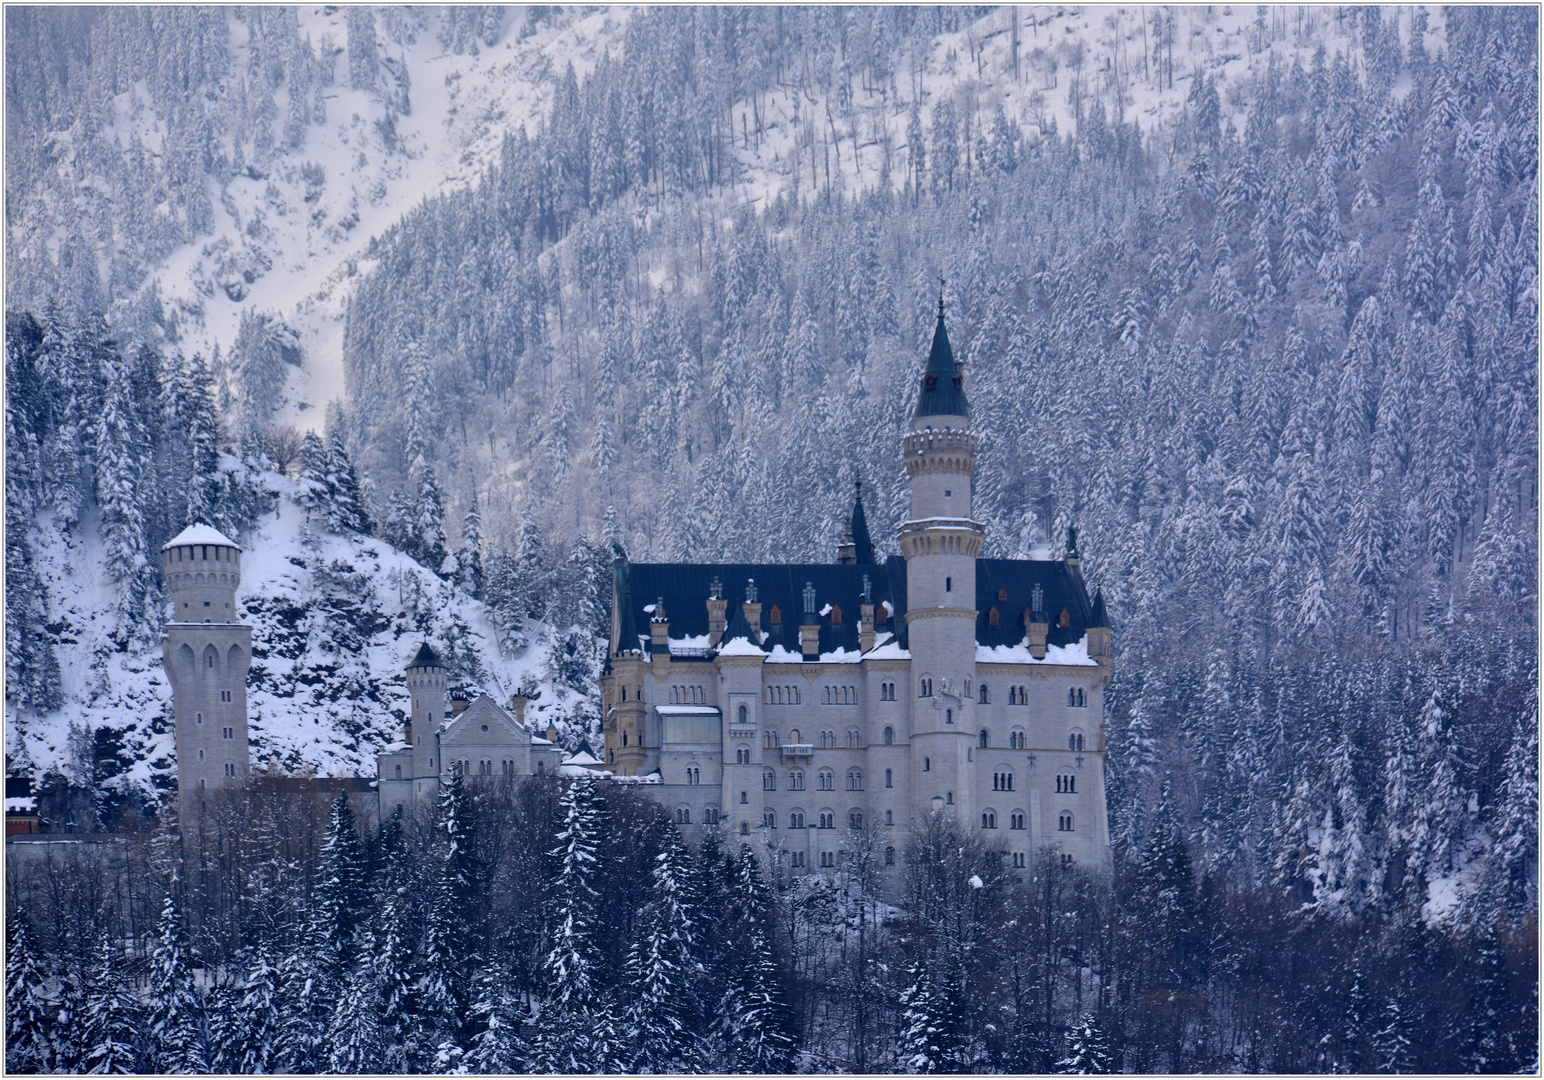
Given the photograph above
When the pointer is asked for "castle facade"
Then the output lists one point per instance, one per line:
(815, 707)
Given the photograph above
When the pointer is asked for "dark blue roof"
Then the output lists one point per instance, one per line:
(942, 392)
(1004, 584)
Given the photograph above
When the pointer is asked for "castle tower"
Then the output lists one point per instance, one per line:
(940, 543)
(426, 682)
(206, 654)
(626, 713)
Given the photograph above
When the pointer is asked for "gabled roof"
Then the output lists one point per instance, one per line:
(467, 725)
(425, 657)
(739, 629)
(943, 382)
(200, 534)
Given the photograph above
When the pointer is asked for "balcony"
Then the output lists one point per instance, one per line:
(798, 750)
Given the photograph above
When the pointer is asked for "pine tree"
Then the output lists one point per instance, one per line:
(566, 1041)
(109, 1023)
(304, 1010)
(1391, 1043)
(259, 1017)
(498, 1046)
(752, 1018)
(396, 970)
(429, 523)
(659, 966)
(174, 1014)
(315, 493)
(354, 1031)
(339, 898)
(919, 1049)
(29, 1044)
(443, 992)
(1087, 1050)
(470, 557)
(346, 511)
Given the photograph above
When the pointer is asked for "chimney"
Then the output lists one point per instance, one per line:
(809, 629)
(866, 617)
(659, 634)
(1036, 624)
(847, 551)
(458, 704)
(518, 704)
(752, 606)
(717, 605)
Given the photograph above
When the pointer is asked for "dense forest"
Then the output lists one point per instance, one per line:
(290, 941)
(1276, 357)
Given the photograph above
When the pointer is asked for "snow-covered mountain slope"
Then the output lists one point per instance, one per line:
(334, 621)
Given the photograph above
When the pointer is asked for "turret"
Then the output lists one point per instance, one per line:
(426, 684)
(1099, 630)
(206, 654)
(940, 542)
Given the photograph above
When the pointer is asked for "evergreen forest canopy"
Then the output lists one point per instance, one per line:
(563, 927)
(1281, 373)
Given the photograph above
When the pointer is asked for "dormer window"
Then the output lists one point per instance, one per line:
(994, 617)
(1002, 594)
(775, 616)
(836, 615)
(1064, 620)
(929, 382)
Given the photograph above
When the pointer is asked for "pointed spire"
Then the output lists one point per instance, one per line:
(622, 586)
(1099, 616)
(425, 657)
(740, 627)
(943, 381)
(863, 545)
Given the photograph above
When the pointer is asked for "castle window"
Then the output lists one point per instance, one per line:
(398, 775)
(1002, 594)
(1064, 822)
(1067, 861)
(889, 817)
(230, 768)
(200, 717)
(989, 820)
(889, 736)
(624, 693)
(994, 617)
(985, 696)
(693, 775)
(889, 856)
(854, 780)
(825, 780)
(827, 740)
(828, 821)
(889, 776)
(775, 616)
(854, 740)
(1064, 620)
(949, 798)
(796, 780)
(769, 739)
(887, 691)
(981, 739)
(624, 738)
(948, 716)
(683, 815)
(1075, 740)
(1015, 739)
(796, 859)
(1067, 784)
(855, 819)
(611, 758)
(948, 584)
(201, 755)
(225, 695)
(836, 615)
(794, 736)
(742, 713)
(768, 819)
(485, 729)
(1002, 781)
(1018, 860)
(745, 798)
(209, 660)
(742, 755)
(925, 686)
(227, 733)
(927, 764)
(745, 828)
(796, 819)
(508, 766)
(828, 859)
(769, 780)
(1017, 820)
(710, 815)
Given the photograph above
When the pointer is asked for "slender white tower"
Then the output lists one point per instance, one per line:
(940, 543)
(206, 653)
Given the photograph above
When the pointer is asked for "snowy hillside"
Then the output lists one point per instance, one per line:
(334, 618)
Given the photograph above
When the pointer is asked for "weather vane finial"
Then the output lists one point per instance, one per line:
(940, 294)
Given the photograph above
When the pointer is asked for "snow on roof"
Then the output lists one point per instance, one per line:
(688, 710)
(537, 740)
(739, 647)
(781, 655)
(1074, 655)
(888, 649)
(200, 534)
(20, 805)
(583, 757)
(572, 769)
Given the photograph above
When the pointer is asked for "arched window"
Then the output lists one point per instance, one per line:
(889, 777)
(927, 764)
(1075, 740)
(745, 798)
(1002, 594)
(948, 716)
(741, 713)
(796, 780)
(889, 817)
(775, 616)
(1067, 784)
(796, 819)
(889, 856)
(981, 739)
(827, 821)
(768, 739)
(1064, 620)
(889, 736)
(925, 686)
(887, 691)
(854, 739)
(745, 828)
(1064, 821)
(796, 736)
(768, 819)
(855, 819)
(742, 755)
(948, 584)
(828, 739)
(994, 617)
(989, 819)
(836, 615)
(683, 815)
(854, 779)
(1015, 739)
(399, 773)
(1016, 821)
(985, 697)
(825, 780)
(1002, 780)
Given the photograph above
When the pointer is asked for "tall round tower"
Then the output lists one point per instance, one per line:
(940, 543)
(206, 654)
(426, 683)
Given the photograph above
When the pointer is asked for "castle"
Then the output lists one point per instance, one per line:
(813, 706)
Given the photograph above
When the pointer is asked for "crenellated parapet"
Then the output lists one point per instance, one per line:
(941, 450)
